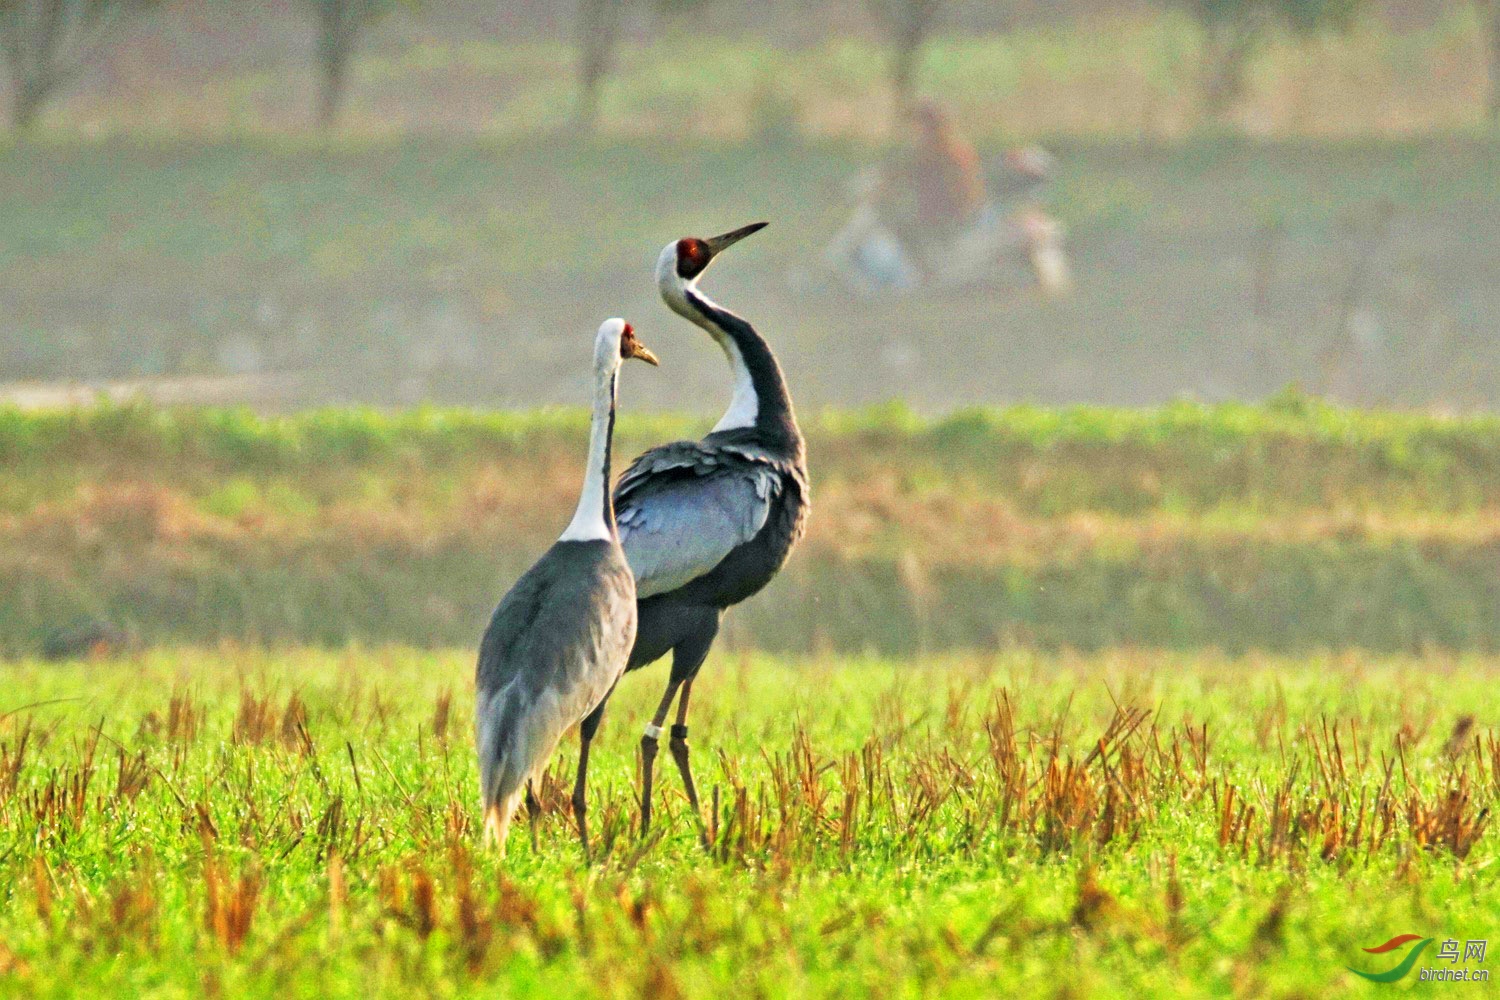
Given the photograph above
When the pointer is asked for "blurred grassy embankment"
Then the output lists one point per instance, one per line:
(1283, 528)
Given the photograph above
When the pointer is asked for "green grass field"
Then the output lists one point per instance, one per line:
(189, 822)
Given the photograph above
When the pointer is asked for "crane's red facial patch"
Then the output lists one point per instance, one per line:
(693, 256)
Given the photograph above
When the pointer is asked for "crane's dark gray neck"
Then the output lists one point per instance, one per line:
(607, 500)
(761, 401)
(594, 520)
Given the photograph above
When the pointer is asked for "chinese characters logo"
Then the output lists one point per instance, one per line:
(1472, 950)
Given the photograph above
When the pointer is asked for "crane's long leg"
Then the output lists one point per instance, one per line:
(686, 659)
(699, 627)
(679, 748)
(586, 733)
(648, 751)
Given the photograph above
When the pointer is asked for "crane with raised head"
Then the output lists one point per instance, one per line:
(706, 524)
(560, 638)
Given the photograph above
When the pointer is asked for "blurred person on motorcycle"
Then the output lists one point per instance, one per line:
(927, 218)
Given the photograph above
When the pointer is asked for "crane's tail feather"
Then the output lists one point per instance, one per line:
(497, 817)
(502, 788)
(514, 743)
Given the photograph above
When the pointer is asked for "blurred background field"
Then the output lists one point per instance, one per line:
(173, 222)
(288, 272)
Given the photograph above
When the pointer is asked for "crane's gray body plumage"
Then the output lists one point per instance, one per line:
(554, 647)
(559, 639)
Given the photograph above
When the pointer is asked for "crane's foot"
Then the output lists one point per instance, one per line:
(648, 764)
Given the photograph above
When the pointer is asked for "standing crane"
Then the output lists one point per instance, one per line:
(706, 524)
(558, 640)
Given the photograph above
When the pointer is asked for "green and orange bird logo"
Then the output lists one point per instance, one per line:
(1401, 968)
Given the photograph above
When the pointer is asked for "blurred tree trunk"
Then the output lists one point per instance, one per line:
(598, 33)
(1235, 30)
(30, 95)
(907, 23)
(1227, 48)
(22, 113)
(1490, 11)
(339, 22)
(47, 43)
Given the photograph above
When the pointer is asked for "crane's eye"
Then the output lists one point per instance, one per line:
(692, 257)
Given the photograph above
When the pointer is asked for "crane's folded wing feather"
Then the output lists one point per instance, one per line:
(561, 632)
(682, 508)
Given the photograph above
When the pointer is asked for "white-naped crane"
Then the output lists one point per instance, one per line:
(559, 639)
(706, 524)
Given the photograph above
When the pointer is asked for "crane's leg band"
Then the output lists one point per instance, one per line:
(679, 732)
(653, 732)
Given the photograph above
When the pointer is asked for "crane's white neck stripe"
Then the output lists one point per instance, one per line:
(744, 405)
(588, 524)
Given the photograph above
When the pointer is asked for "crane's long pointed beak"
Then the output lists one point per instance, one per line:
(644, 353)
(718, 244)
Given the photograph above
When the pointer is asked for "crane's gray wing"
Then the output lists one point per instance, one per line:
(682, 508)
